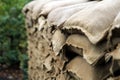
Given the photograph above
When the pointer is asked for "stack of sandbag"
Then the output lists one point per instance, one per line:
(81, 39)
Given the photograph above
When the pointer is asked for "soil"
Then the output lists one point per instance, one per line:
(10, 73)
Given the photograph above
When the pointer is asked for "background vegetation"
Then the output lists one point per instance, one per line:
(13, 34)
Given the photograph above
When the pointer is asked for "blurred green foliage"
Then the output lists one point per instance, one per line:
(13, 44)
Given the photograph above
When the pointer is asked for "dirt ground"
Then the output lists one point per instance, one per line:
(10, 73)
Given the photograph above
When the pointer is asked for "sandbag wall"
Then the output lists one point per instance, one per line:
(73, 39)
